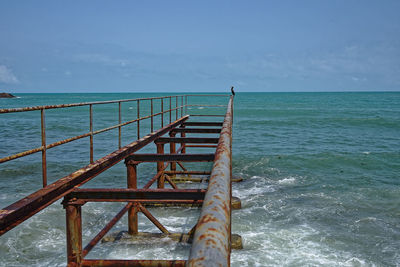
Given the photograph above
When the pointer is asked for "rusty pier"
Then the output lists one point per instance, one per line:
(179, 133)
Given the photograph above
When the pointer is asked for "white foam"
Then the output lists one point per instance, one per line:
(289, 180)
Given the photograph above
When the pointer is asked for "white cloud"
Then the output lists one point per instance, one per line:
(6, 75)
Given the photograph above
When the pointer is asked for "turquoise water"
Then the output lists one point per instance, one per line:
(321, 179)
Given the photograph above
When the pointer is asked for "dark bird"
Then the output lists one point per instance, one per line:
(233, 92)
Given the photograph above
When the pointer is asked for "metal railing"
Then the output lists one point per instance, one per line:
(178, 110)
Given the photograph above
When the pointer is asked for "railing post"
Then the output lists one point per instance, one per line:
(138, 119)
(119, 122)
(186, 102)
(91, 131)
(44, 160)
(170, 110)
(181, 106)
(74, 234)
(131, 168)
(151, 110)
(162, 112)
(160, 166)
(176, 106)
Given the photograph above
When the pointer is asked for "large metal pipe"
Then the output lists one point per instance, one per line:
(211, 242)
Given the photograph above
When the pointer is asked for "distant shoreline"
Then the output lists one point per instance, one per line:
(6, 95)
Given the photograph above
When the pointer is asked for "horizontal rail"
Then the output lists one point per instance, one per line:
(210, 95)
(196, 130)
(201, 123)
(212, 238)
(206, 106)
(169, 157)
(188, 172)
(35, 150)
(200, 145)
(186, 140)
(12, 110)
(140, 195)
(203, 115)
(19, 211)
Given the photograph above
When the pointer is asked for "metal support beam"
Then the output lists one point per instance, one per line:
(202, 123)
(74, 235)
(160, 166)
(186, 140)
(171, 157)
(19, 211)
(132, 212)
(81, 196)
(105, 230)
(183, 135)
(172, 148)
(196, 130)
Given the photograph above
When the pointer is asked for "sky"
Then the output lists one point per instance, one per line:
(199, 46)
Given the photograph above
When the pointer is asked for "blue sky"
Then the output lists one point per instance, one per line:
(165, 46)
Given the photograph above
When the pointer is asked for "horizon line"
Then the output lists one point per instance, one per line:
(217, 92)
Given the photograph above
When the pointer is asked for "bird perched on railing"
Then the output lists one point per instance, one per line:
(233, 92)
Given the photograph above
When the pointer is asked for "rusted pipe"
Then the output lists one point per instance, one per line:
(211, 242)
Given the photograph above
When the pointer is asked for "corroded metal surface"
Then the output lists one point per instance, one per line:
(171, 157)
(202, 123)
(105, 230)
(141, 195)
(211, 243)
(30, 205)
(130, 263)
(188, 140)
(196, 130)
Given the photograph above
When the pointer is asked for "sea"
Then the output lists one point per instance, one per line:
(321, 177)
